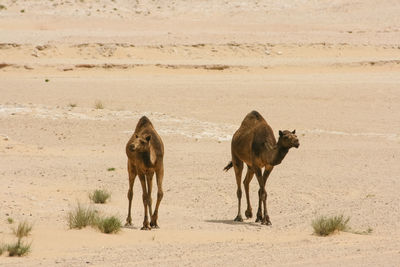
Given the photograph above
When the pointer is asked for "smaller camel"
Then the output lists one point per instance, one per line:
(254, 143)
(145, 151)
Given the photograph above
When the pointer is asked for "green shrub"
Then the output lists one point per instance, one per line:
(99, 196)
(109, 225)
(324, 226)
(10, 220)
(81, 217)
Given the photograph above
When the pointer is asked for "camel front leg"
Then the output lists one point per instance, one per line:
(132, 174)
(257, 171)
(149, 179)
(265, 219)
(146, 225)
(246, 183)
(160, 194)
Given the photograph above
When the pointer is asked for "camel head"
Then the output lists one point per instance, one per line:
(288, 139)
(140, 143)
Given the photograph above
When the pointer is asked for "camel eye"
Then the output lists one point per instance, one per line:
(137, 136)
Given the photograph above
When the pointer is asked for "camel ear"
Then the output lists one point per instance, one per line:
(294, 131)
(280, 133)
(148, 137)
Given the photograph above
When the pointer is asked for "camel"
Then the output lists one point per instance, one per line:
(145, 151)
(254, 143)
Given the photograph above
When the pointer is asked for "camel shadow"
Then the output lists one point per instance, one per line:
(232, 222)
(130, 227)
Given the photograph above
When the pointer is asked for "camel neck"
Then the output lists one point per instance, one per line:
(279, 154)
(148, 157)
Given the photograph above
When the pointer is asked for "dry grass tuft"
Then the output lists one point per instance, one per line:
(2, 249)
(109, 225)
(18, 249)
(23, 229)
(99, 196)
(81, 217)
(98, 105)
(324, 226)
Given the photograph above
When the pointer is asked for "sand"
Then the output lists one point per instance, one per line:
(329, 69)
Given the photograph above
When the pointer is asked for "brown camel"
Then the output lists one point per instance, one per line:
(145, 151)
(254, 143)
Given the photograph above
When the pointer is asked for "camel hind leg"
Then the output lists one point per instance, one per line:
(246, 183)
(238, 167)
(160, 194)
(132, 175)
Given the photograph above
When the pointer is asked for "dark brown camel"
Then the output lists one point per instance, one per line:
(145, 151)
(254, 143)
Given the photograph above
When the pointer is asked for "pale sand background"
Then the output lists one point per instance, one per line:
(329, 69)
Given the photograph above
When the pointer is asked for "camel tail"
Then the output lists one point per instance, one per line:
(227, 167)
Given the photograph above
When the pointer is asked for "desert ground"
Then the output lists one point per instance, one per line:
(329, 69)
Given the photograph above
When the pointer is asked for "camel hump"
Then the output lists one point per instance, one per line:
(144, 122)
(252, 119)
(255, 114)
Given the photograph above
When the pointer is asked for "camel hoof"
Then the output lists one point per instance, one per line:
(238, 218)
(266, 221)
(128, 223)
(154, 225)
(249, 214)
(146, 228)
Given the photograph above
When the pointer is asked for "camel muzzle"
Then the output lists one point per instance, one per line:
(131, 148)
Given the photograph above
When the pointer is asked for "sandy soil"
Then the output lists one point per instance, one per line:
(329, 69)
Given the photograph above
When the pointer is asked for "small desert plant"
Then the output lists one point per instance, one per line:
(22, 230)
(111, 169)
(98, 105)
(18, 249)
(324, 226)
(2, 249)
(99, 196)
(46, 80)
(365, 232)
(2, 7)
(109, 225)
(72, 105)
(81, 217)
(10, 220)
